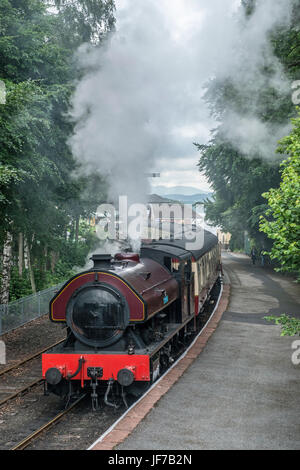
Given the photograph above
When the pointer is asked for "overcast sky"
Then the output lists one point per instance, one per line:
(139, 107)
(184, 21)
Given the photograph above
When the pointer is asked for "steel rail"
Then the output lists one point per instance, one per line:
(29, 358)
(27, 388)
(35, 434)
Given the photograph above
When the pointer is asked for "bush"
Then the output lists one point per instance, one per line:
(290, 326)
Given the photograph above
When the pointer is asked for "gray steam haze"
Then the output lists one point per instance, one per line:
(139, 106)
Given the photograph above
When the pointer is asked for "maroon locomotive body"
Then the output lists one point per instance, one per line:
(127, 316)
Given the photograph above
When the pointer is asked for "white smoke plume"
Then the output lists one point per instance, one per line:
(140, 102)
(253, 137)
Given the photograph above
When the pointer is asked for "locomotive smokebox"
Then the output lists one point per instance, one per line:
(101, 261)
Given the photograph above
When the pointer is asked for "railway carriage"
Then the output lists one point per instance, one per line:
(128, 317)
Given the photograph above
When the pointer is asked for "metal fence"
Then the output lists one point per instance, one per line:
(24, 310)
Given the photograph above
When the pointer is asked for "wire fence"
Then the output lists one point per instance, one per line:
(21, 311)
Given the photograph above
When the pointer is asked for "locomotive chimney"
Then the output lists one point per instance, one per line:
(101, 261)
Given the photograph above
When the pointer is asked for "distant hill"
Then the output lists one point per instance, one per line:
(178, 190)
(156, 199)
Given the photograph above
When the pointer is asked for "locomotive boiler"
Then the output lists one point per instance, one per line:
(128, 317)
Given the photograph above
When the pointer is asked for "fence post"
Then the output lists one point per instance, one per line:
(1, 309)
(39, 302)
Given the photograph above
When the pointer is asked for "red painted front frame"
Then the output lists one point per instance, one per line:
(111, 364)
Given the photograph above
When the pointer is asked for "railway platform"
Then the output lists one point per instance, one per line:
(242, 390)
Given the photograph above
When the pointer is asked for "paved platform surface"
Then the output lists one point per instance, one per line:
(243, 391)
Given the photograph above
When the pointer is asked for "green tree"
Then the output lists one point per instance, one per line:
(282, 220)
(239, 177)
(41, 199)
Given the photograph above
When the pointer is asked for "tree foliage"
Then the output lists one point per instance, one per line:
(282, 220)
(40, 195)
(237, 176)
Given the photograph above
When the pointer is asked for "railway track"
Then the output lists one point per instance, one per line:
(68, 425)
(34, 435)
(15, 366)
(28, 358)
(21, 391)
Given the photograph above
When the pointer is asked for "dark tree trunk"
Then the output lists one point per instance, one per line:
(53, 260)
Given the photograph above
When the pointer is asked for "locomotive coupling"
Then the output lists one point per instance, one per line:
(94, 373)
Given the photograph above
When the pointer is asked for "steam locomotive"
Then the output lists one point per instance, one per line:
(128, 317)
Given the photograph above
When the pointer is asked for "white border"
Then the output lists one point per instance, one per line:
(157, 381)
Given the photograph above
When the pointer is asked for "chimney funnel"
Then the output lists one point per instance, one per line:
(101, 261)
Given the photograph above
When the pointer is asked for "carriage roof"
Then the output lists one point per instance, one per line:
(177, 248)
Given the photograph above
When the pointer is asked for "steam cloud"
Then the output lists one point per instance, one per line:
(140, 101)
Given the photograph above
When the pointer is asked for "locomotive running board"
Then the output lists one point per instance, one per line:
(174, 328)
